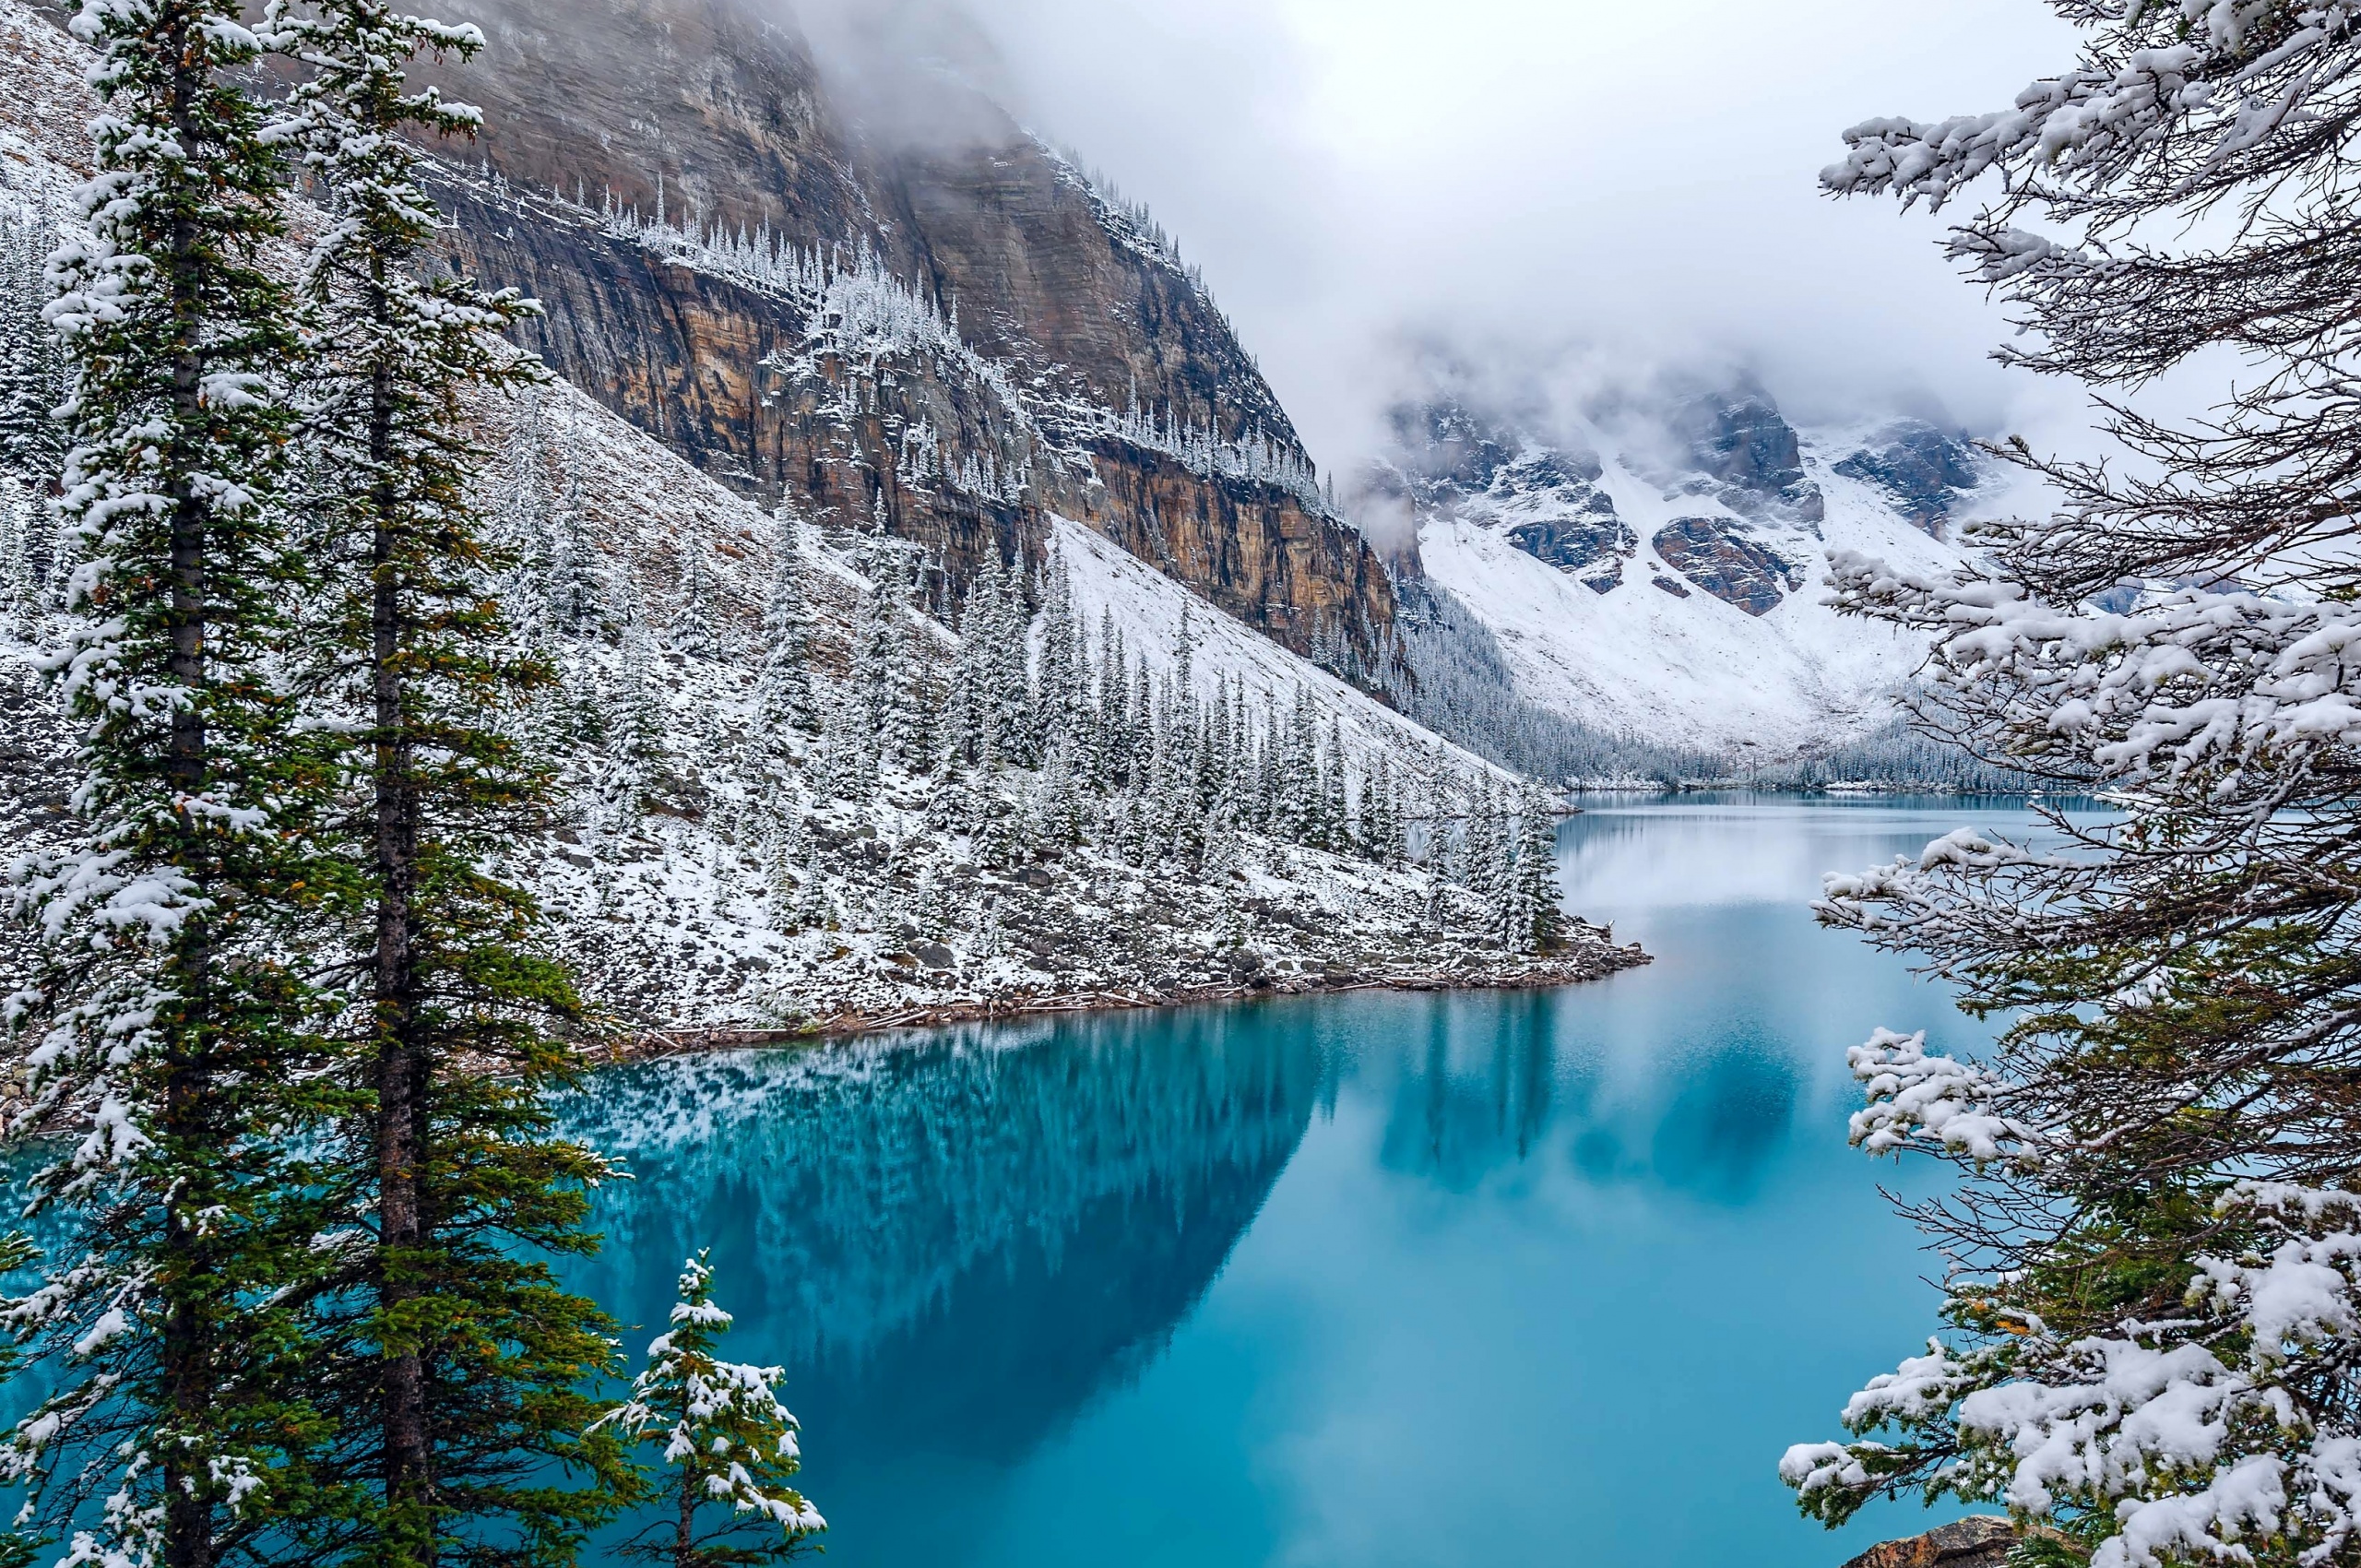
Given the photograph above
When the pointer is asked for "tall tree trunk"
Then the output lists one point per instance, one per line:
(187, 1350)
(401, 1064)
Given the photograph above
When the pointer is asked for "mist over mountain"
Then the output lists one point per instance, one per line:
(1365, 180)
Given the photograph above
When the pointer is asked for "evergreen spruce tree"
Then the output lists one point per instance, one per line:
(813, 908)
(1011, 672)
(1184, 736)
(632, 715)
(1223, 853)
(1057, 813)
(34, 384)
(575, 592)
(176, 1020)
(1109, 749)
(464, 1414)
(1215, 765)
(901, 680)
(1541, 917)
(1335, 812)
(726, 1445)
(783, 689)
(1139, 726)
(869, 702)
(1062, 672)
(1381, 832)
(2164, 1132)
(695, 629)
(1482, 853)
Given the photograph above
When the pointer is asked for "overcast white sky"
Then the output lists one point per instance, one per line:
(1633, 174)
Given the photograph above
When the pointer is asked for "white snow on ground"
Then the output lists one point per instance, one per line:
(1695, 670)
(1147, 607)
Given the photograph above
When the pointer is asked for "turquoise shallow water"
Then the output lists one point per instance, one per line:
(1364, 1281)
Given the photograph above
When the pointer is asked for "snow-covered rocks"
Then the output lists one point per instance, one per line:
(1659, 571)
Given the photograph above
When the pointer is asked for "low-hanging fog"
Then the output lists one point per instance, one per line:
(1580, 186)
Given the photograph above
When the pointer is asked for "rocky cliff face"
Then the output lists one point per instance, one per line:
(953, 338)
(1450, 461)
(1746, 455)
(1924, 471)
(1650, 564)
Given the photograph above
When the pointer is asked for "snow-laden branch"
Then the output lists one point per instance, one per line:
(1917, 1099)
(2199, 1438)
(2193, 679)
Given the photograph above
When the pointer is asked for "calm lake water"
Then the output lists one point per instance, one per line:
(1364, 1281)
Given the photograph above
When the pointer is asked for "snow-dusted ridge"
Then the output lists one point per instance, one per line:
(1687, 605)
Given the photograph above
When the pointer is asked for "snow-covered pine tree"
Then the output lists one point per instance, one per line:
(1267, 806)
(825, 762)
(1381, 837)
(1062, 666)
(34, 384)
(783, 701)
(634, 717)
(1056, 816)
(813, 908)
(868, 700)
(695, 629)
(1184, 830)
(905, 705)
(1483, 869)
(727, 1445)
(1181, 723)
(1540, 905)
(971, 713)
(1000, 835)
(466, 1403)
(32, 435)
(1223, 853)
(1442, 840)
(575, 590)
(1335, 807)
(1212, 745)
(1109, 667)
(174, 1023)
(2154, 1154)
(1009, 670)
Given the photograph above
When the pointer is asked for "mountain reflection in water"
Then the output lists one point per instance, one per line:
(1360, 1281)
(954, 1241)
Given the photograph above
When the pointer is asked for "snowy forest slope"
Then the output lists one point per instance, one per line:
(810, 778)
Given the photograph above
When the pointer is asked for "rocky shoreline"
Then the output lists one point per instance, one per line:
(1589, 957)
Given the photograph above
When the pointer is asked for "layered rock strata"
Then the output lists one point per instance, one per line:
(952, 337)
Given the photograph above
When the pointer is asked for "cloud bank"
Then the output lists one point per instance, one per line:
(1531, 180)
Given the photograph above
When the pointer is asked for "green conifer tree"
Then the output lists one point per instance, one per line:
(464, 1426)
(695, 629)
(727, 1445)
(174, 1018)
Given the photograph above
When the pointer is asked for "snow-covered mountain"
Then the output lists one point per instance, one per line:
(809, 776)
(1654, 567)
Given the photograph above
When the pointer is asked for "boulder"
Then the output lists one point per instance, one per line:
(1981, 1540)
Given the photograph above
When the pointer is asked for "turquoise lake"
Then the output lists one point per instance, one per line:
(1357, 1281)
